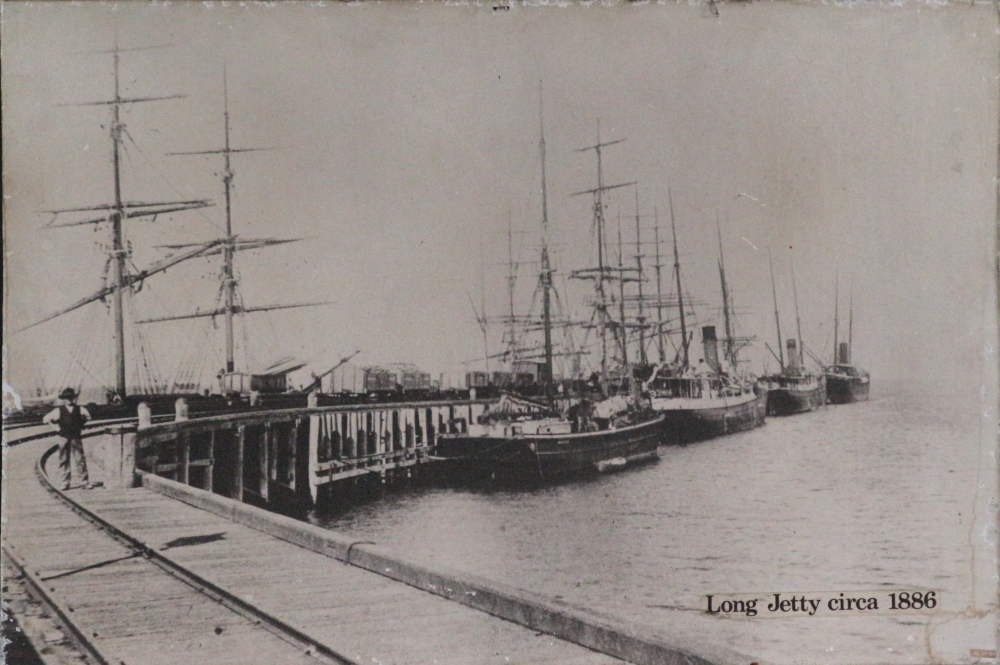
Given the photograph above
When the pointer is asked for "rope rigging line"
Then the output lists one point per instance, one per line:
(170, 184)
(92, 342)
(95, 348)
(74, 354)
(148, 355)
(249, 360)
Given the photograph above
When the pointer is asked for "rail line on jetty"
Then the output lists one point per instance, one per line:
(170, 573)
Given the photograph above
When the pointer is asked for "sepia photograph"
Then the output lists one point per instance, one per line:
(489, 332)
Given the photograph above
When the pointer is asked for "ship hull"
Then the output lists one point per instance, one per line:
(789, 400)
(548, 456)
(688, 421)
(846, 389)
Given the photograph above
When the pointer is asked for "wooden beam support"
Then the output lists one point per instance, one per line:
(184, 453)
(237, 490)
(262, 470)
(210, 468)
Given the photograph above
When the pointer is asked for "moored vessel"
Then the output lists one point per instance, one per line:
(525, 439)
(794, 389)
(708, 400)
(122, 281)
(541, 444)
(845, 383)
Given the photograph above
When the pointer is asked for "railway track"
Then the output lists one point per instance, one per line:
(59, 607)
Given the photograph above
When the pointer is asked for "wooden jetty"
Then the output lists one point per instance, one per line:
(178, 570)
(294, 457)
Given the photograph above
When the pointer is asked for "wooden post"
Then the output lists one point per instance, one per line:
(263, 460)
(384, 440)
(293, 442)
(362, 447)
(302, 477)
(145, 415)
(397, 434)
(407, 426)
(180, 409)
(370, 445)
(237, 491)
(184, 453)
(349, 443)
(210, 469)
(273, 449)
(324, 438)
(430, 439)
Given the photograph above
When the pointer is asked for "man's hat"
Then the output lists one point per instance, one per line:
(68, 393)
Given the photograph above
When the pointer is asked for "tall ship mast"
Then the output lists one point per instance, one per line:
(708, 400)
(232, 381)
(123, 281)
(602, 273)
(522, 440)
(545, 276)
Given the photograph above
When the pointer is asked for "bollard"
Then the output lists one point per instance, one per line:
(145, 415)
(119, 458)
(180, 409)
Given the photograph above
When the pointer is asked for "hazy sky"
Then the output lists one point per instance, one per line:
(858, 140)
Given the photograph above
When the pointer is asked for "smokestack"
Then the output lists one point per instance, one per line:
(845, 354)
(793, 355)
(711, 348)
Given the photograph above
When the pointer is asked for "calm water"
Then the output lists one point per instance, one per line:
(855, 497)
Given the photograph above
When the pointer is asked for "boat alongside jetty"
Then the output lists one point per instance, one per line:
(526, 439)
(707, 400)
(542, 445)
(793, 389)
(845, 383)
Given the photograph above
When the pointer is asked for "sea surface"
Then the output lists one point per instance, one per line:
(878, 495)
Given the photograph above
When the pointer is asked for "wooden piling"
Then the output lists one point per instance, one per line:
(237, 489)
(183, 474)
(263, 460)
(210, 467)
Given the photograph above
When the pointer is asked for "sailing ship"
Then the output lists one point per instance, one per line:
(794, 389)
(845, 383)
(711, 398)
(527, 439)
(125, 281)
(271, 379)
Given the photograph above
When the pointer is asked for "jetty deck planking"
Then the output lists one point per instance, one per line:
(135, 613)
(131, 610)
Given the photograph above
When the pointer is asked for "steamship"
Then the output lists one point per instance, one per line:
(705, 401)
(794, 390)
(845, 383)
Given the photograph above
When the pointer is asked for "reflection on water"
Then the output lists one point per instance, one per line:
(864, 496)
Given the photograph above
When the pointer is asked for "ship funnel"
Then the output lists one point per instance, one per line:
(793, 355)
(711, 346)
(844, 354)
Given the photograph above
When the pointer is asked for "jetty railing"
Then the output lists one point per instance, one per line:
(291, 455)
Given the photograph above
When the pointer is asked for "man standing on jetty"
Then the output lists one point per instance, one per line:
(68, 419)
